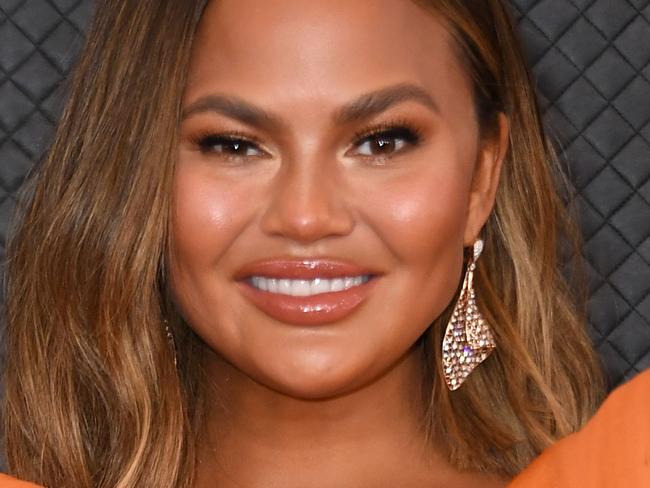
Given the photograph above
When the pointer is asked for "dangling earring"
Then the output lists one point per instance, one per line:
(170, 339)
(468, 339)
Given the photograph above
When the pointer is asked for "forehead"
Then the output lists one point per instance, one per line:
(318, 42)
(293, 49)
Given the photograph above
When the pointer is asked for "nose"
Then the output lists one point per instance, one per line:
(308, 203)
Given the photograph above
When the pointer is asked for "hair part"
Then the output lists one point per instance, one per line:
(92, 396)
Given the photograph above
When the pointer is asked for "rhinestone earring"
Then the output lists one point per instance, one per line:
(170, 339)
(468, 339)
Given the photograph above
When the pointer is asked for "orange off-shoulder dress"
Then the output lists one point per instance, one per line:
(611, 451)
(8, 482)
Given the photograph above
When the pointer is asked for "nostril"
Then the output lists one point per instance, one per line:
(305, 227)
(306, 213)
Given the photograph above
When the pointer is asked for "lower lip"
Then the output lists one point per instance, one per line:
(322, 308)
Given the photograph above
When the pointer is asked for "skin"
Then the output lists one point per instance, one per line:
(335, 404)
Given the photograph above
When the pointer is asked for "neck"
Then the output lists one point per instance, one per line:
(261, 437)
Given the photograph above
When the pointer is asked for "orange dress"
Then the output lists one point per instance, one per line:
(8, 482)
(611, 451)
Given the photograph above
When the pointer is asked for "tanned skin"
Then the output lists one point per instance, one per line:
(339, 404)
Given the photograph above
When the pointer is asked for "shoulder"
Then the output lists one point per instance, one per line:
(613, 449)
(9, 482)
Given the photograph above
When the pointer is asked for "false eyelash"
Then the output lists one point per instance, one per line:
(414, 137)
(200, 139)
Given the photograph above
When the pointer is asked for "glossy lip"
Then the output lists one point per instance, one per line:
(317, 309)
(303, 269)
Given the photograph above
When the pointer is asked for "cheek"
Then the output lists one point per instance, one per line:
(207, 216)
(203, 213)
(421, 215)
(420, 218)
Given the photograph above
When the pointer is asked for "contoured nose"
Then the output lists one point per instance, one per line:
(309, 201)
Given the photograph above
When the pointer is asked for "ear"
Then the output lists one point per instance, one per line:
(485, 179)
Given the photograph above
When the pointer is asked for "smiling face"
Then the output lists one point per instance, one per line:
(331, 132)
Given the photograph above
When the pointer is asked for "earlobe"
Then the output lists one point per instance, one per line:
(485, 180)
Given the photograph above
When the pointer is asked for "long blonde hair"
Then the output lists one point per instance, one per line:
(92, 395)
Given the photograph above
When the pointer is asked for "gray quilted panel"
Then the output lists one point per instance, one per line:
(592, 62)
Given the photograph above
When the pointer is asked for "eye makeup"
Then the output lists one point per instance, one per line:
(388, 138)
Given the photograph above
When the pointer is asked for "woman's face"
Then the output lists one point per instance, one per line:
(280, 177)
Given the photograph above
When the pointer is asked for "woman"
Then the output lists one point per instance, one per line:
(294, 244)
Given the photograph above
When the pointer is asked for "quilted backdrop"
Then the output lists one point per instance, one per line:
(592, 62)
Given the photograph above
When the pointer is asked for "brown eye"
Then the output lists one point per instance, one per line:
(387, 142)
(228, 146)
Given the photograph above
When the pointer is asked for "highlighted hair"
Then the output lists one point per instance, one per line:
(92, 396)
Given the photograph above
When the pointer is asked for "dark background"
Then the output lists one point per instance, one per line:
(592, 62)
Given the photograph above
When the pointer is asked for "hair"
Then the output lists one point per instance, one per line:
(93, 398)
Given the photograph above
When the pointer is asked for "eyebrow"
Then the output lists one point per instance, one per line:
(363, 107)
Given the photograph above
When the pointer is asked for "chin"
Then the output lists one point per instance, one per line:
(319, 378)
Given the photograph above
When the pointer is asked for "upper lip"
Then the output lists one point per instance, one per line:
(303, 268)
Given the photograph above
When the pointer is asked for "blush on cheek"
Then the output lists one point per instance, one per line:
(199, 219)
(421, 218)
(426, 211)
(204, 211)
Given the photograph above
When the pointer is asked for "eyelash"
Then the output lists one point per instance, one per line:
(397, 129)
(208, 140)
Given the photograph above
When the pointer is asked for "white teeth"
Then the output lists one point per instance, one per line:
(303, 288)
(299, 288)
(271, 285)
(284, 287)
(319, 285)
(260, 283)
(337, 284)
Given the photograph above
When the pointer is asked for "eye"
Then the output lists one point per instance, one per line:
(230, 146)
(386, 140)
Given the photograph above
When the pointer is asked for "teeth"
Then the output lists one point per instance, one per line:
(272, 285)
(337, 284)
(320, 285)
(303, 288)
(284, 287)
(299, 288)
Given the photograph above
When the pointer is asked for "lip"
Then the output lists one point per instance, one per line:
(316, 309)
(303, 269)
